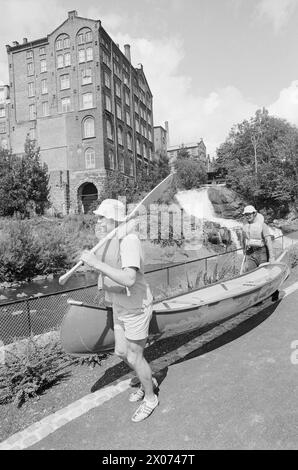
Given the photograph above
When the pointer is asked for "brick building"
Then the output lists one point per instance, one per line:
(196, 150)
(161, 139)
(88, 108)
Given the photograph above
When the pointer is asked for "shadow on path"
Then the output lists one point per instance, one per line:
(176, 349)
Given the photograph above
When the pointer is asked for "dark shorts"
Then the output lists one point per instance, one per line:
(255, 257)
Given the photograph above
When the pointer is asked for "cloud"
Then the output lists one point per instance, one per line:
(286, 106)
(276, 12)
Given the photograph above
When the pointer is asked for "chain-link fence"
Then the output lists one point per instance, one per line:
(38, 315)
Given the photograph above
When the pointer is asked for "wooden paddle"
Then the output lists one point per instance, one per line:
(127, 225)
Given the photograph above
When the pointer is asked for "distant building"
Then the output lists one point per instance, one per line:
(88, 108)
(197, 150)
(4, 117)
(161, 139)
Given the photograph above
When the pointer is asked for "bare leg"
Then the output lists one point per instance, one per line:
(136, 360)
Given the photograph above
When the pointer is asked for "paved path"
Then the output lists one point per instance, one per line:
(238, 392)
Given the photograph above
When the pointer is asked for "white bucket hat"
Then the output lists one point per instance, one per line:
(111, 209)
(249, 210)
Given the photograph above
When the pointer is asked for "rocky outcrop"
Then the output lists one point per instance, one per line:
(226, 203)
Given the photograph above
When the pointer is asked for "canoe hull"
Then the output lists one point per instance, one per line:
(88, 330)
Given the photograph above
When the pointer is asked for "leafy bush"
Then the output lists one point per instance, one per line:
(18, 252)
(293, 256)
(27, 374)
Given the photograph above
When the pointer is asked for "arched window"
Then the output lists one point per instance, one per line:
(111, 160)
(109, 130)
(89, 128)
(121, 163)
(138, 147)
(144, 150)
(129, 141)
(90, 158)
(120, 136)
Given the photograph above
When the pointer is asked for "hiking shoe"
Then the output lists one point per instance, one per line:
(144, 410)
(138, 395)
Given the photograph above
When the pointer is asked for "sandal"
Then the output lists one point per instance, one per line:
(138, 395)
(144, 410)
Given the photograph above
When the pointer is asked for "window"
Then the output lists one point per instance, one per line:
(106, 59)
(109, 130)
(128, 120)
(108, 103)
(129, 141)
(118, 89)
(81, 38)
(31, 89)
(65, 104)
(149, 135)
(107, 80)
(60, 62)
(64, 82)
(136, 106)
(90, 158)
(66, 43)
(86, 76)
(42, 50)
(138, 147)
(44, 86)
(87, 100)
(111, 160)
(127, 98)
(150, 153)
(29, 54)
(59, 45)
(89, 128)
(81, 55)
(144, 150)
(89, 53)
(30, 68)
(131, 172)
(2, 127)
(118, 111)
(120, 136)
(121, 163)
(45, 108)
(31, 111)
(2, 112)
(137, 126)
(43, 65)
(88, 36)
(67, 59)
(125, 79)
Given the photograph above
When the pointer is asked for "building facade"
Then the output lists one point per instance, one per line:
(161, 140)
(4, 117)
(89, 110)
(197, 150)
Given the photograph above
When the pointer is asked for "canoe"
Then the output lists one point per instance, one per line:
(88, 329)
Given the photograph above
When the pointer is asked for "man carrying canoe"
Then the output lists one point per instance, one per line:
(121, 276)
(257, 245)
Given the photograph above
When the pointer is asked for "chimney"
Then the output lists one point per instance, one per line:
(127, 51)
(15, 43)
(167, 131)
(25, 40)
(72, 14)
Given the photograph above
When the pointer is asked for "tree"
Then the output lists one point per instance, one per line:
(23, 182)
(260, 161)
(191, 173)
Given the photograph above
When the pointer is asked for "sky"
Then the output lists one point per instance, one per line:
(210, 64)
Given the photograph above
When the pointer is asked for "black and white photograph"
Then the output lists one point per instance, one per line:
(148, 228)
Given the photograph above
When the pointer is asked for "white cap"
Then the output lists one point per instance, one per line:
(111, 209)
(249, 210)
